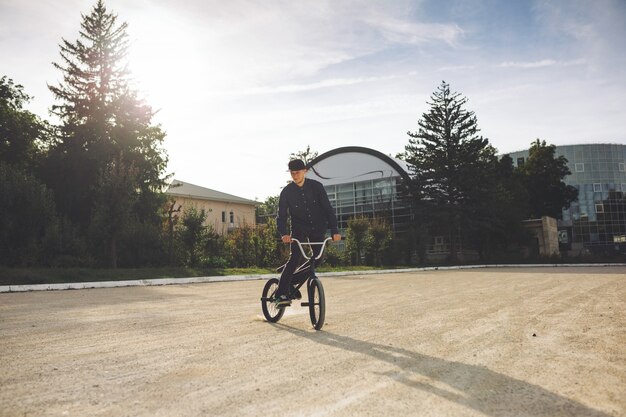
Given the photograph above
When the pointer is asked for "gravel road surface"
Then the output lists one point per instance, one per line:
(480, 342)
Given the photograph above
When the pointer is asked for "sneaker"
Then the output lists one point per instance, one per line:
(297, 295)
(282, 301)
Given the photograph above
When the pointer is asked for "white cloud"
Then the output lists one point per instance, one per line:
(597, 29)
(404, 31)
(322, 84)
(541, 64)
(458, 68)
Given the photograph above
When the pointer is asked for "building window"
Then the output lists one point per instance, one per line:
(599, 208)
(597, 188)
(520, 162)
(223, 217)
(579, 167)
(623, 188)
(621, 166)
(231, 217)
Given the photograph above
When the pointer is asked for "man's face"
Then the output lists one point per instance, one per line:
(298, 176)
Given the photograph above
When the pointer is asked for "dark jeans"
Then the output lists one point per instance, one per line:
(295, 260)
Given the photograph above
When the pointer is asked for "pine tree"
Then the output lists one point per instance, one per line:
(451, 167)
(105, 129)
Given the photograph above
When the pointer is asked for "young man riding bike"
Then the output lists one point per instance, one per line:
(305, 202)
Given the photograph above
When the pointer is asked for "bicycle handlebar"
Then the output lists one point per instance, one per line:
(311, 244)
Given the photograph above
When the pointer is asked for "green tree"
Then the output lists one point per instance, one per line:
(170, 222)
(23, 135)
(306, 155)
(214, 255)
(267, 210)
(544, 174)
(451, 166)
(29, 225)
(104, 125)
(501, 229)
(192, 234)
(378, 240)
(113, 210)
(28, 221)
(356, 238)
(243, 246)
(274, 251)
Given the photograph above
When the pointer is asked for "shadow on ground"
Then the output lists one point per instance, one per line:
(473, 386)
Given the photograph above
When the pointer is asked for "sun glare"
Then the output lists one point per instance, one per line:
(165, 59)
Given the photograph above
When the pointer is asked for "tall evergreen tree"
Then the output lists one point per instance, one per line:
(451, 166)
(105, 129)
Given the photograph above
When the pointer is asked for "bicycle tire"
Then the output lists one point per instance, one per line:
(317, 303)
(271, 312)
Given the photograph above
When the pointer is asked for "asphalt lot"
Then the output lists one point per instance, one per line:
(477, 342)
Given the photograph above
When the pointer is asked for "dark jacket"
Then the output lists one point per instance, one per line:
(308, 207)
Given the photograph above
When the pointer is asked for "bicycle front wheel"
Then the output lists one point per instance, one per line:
(317, 303)
(271, 312)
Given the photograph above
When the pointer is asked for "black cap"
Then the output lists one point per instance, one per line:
(296, 165)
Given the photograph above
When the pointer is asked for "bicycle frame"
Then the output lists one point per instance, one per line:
(304, 273)
(307, 269)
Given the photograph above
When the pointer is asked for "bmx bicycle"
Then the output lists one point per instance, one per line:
(305, 273)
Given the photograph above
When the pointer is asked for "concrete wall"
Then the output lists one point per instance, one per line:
(546, 233)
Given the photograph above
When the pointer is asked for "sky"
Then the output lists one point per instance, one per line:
(239, 85)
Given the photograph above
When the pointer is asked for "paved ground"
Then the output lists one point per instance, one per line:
(486, 342)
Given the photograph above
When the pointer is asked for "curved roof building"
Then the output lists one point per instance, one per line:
(362, 181)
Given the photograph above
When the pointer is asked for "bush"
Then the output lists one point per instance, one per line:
(333, 256)
(28, 218)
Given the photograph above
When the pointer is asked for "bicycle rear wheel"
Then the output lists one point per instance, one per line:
(317, 303)
(271, 312)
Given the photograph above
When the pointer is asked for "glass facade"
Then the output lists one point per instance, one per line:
(377, 197)
(595, 223)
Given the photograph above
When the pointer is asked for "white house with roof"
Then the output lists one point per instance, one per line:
(224, 211)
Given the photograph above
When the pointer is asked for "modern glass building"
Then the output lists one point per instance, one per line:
(362, 182)
(596, 223)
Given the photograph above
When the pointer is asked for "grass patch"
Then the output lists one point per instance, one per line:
(30, 276)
